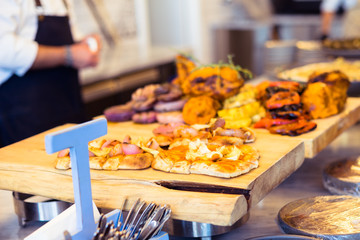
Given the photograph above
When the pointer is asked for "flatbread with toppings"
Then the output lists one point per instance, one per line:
(110, 155)
(177, 148)
(198, 157)
(214, 151)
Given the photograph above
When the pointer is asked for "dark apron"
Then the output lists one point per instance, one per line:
(41, 99)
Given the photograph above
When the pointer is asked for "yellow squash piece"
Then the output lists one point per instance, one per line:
(242, 116)
(246, 95)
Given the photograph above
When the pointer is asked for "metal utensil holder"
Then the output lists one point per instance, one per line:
(76, 138)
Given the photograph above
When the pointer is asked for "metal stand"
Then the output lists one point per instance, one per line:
(199, 230)
(36, 211)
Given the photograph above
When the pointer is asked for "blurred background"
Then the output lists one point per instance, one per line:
(141, 38)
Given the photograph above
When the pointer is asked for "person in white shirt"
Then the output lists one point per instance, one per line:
(39, 85)
(351, 21)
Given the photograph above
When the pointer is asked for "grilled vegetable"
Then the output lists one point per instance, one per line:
(184, 65)
(218, 81)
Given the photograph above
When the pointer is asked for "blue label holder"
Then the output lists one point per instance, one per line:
(77, 138)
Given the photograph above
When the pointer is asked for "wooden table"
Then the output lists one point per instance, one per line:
(25, 167)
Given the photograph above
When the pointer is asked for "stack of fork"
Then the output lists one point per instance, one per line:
(143, 221)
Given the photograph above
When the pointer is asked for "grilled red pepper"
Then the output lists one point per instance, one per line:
(293, 129)
(281, 99)
(269, 122)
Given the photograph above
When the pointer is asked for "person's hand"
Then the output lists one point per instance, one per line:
(86, 53)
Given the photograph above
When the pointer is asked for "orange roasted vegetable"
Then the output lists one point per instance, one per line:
(184, 65)
(218, 81)
(199, 110)
(326, 94)
(266, 88)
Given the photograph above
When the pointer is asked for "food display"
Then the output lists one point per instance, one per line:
(184, 65)
(243, 109)
(200, 110)
(302, 74)
(325, 94)
(291, 106)
(214, 151)
(177, 148)
(205, 137)
(218, 81)
(202, 94)
(285, 114)
(152, 103)
(205, 87)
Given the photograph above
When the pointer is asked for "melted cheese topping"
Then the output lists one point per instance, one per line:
(199, 150)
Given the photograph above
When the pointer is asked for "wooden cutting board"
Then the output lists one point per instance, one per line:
(25, 167)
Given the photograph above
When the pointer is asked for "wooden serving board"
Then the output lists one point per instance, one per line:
(25, 167)
(327, 129)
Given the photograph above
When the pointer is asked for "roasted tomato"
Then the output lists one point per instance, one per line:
(266, 88)
(289, 85)
(281, 99)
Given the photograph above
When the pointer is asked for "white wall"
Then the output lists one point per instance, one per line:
(187, 23)
(119, 16)
(175, 23)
